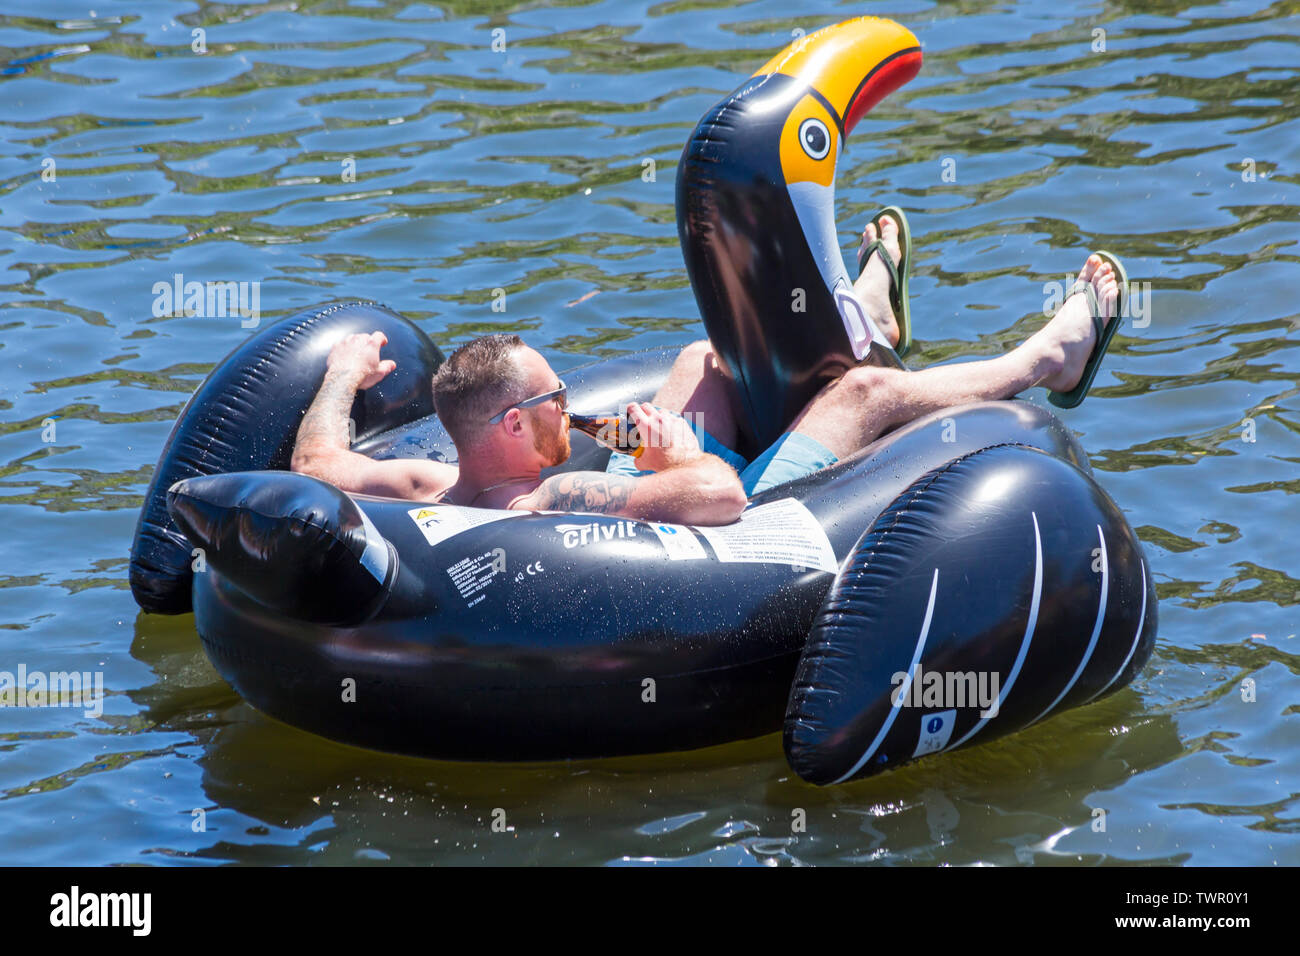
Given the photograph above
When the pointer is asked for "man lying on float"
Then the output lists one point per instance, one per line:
(504, 408)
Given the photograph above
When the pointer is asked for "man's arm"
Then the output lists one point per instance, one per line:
(688, 486)
(322, 449)
(705, 491)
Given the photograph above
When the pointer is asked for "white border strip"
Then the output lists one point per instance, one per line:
(375, 557)
(1096, 629)
(1137, 635)
(907, 685)
(1024, 644)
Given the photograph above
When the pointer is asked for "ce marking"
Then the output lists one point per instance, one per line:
(533, 568)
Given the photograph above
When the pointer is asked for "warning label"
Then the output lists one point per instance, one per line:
(471, 575)
(780, 532)
(439, 522)
(680, 543)
(935, 731)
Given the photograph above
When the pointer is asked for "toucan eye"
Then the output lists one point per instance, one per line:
(815, 138)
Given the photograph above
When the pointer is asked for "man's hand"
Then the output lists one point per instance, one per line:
(322, 449)
(687, 486)
(669, 441)
(358, 354)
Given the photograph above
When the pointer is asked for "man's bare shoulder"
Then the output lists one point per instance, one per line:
(593, 491)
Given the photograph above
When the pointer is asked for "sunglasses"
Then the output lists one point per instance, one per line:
(556, 393)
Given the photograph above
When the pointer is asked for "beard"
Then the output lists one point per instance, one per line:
(552, 444)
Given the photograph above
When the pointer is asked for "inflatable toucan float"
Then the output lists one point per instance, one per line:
(961, 578)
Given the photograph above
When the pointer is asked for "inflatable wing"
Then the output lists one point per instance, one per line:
(998, 589)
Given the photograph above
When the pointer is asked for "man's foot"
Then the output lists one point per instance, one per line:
(872, 286)
(1067, 340)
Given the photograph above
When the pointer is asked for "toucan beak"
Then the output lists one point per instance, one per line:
(852, 66)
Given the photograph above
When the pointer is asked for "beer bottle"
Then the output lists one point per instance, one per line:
(610, 430)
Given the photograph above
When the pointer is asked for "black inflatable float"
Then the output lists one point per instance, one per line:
(972, 544)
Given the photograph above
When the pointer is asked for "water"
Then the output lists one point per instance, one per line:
(523, 170)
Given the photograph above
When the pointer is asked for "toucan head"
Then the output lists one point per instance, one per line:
(755, 214)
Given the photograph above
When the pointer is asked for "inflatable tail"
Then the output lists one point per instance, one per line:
(295, 544)
(245, 417)
(756, 218)
(998, 589)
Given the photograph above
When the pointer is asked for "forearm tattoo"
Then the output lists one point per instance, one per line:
(326, 421)
(586, 491)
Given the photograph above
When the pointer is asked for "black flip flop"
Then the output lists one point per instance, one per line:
(898, 299)
(1105, 332)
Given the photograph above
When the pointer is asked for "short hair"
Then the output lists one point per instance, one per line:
(479, 379)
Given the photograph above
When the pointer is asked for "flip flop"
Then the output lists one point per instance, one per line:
(897, 274)
(1105, 332)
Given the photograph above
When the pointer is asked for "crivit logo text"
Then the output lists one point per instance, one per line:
(581, 535)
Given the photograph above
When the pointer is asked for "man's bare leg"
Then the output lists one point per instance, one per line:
(697, 387)
(856, 408)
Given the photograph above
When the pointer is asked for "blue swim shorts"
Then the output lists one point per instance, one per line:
(791, 456)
